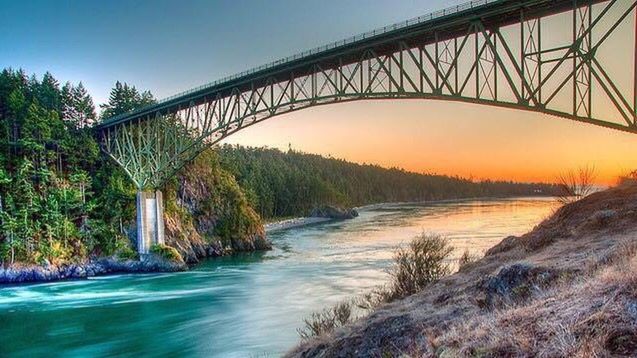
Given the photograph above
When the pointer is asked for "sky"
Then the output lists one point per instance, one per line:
(170, 46)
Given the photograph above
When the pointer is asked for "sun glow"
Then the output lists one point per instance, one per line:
(450, 138)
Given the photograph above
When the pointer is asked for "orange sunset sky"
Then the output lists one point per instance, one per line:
(208, 40)
(450, 138)
(471, 140)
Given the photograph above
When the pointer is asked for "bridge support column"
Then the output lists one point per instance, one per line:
(150, 220)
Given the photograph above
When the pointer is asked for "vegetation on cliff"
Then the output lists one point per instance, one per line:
(61, 201)
(422, 262)
(283, 184)
(207, 213)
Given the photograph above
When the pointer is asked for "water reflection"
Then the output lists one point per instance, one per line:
(248, 304)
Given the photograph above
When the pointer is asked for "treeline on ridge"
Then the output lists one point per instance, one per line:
(292, 183)
(61, 200)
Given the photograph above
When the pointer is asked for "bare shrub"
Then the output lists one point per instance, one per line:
(627, 178)
(373, 299)
(419, 264)
(466, 258)
(327, 321)
(416, 266)
(575, 185)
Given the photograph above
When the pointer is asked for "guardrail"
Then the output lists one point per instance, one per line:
(379, 31)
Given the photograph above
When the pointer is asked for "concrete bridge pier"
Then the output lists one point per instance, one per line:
(150, 220)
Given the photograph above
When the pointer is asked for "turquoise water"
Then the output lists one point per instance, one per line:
(248, 305)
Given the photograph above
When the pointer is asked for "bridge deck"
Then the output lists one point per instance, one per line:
(438, 26)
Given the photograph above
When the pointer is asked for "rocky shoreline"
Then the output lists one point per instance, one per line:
(570, 279)
(293, 223)
(318, 215)
(19, 274)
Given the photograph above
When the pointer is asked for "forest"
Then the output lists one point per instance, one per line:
(292, 183)
(62, 200)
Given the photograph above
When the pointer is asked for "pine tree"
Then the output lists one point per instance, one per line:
(77, 106)
(68, 107)
(48, 92)
(125, 98)
(84, 106)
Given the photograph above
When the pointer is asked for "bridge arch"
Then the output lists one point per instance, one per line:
(487, 52)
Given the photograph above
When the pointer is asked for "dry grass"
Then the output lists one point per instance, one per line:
(575, 185)
(419, 264)
(466, 260)
(415, 267)
(594, 316)
(567, 288)
(325, 322)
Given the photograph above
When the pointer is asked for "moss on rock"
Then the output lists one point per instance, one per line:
(166, 252)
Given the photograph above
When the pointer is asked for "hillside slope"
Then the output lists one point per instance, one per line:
(292, 183)
(207, 213)
(567, 288)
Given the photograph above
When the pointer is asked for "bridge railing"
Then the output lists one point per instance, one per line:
(379, 31)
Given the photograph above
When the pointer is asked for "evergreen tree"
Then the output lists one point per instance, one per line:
(50, 208)
(48, 92)
(77, 107)
(68, 103)
(125, 98)
(84, 106)
(292, 183)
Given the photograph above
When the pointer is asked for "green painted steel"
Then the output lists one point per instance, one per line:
(486, 52)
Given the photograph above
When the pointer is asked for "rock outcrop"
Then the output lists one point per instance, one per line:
(333, 212)
(97, 267)
(208, 215)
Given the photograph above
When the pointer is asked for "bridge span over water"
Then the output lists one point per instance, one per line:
(575, 59)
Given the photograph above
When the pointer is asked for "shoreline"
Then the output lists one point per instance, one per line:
(301, 221)
(104, 266)
(579, 262)
(293, 223)
(34, 274)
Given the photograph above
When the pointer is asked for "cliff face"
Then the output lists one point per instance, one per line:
(568, 288)
(207, 213)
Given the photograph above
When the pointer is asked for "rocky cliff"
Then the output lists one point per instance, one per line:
(207, 213)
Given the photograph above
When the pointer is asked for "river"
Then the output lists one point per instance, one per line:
(249, 305)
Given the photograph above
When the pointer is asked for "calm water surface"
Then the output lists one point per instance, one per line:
(248, 305)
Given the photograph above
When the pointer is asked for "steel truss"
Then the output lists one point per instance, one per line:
(482, 66)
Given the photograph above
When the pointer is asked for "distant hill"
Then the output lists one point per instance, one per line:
(280, 184)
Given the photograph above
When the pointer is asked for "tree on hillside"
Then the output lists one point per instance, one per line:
(85, 106)
(77, 106)
(125, 98)
(68, 108)
(292, 183)
(50, 208)
(48, 92)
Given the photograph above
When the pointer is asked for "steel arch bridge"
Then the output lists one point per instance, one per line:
(575, 59)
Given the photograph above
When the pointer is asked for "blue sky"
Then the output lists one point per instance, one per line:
(169, 46)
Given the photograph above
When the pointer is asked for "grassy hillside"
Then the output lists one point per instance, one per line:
(568, 288)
